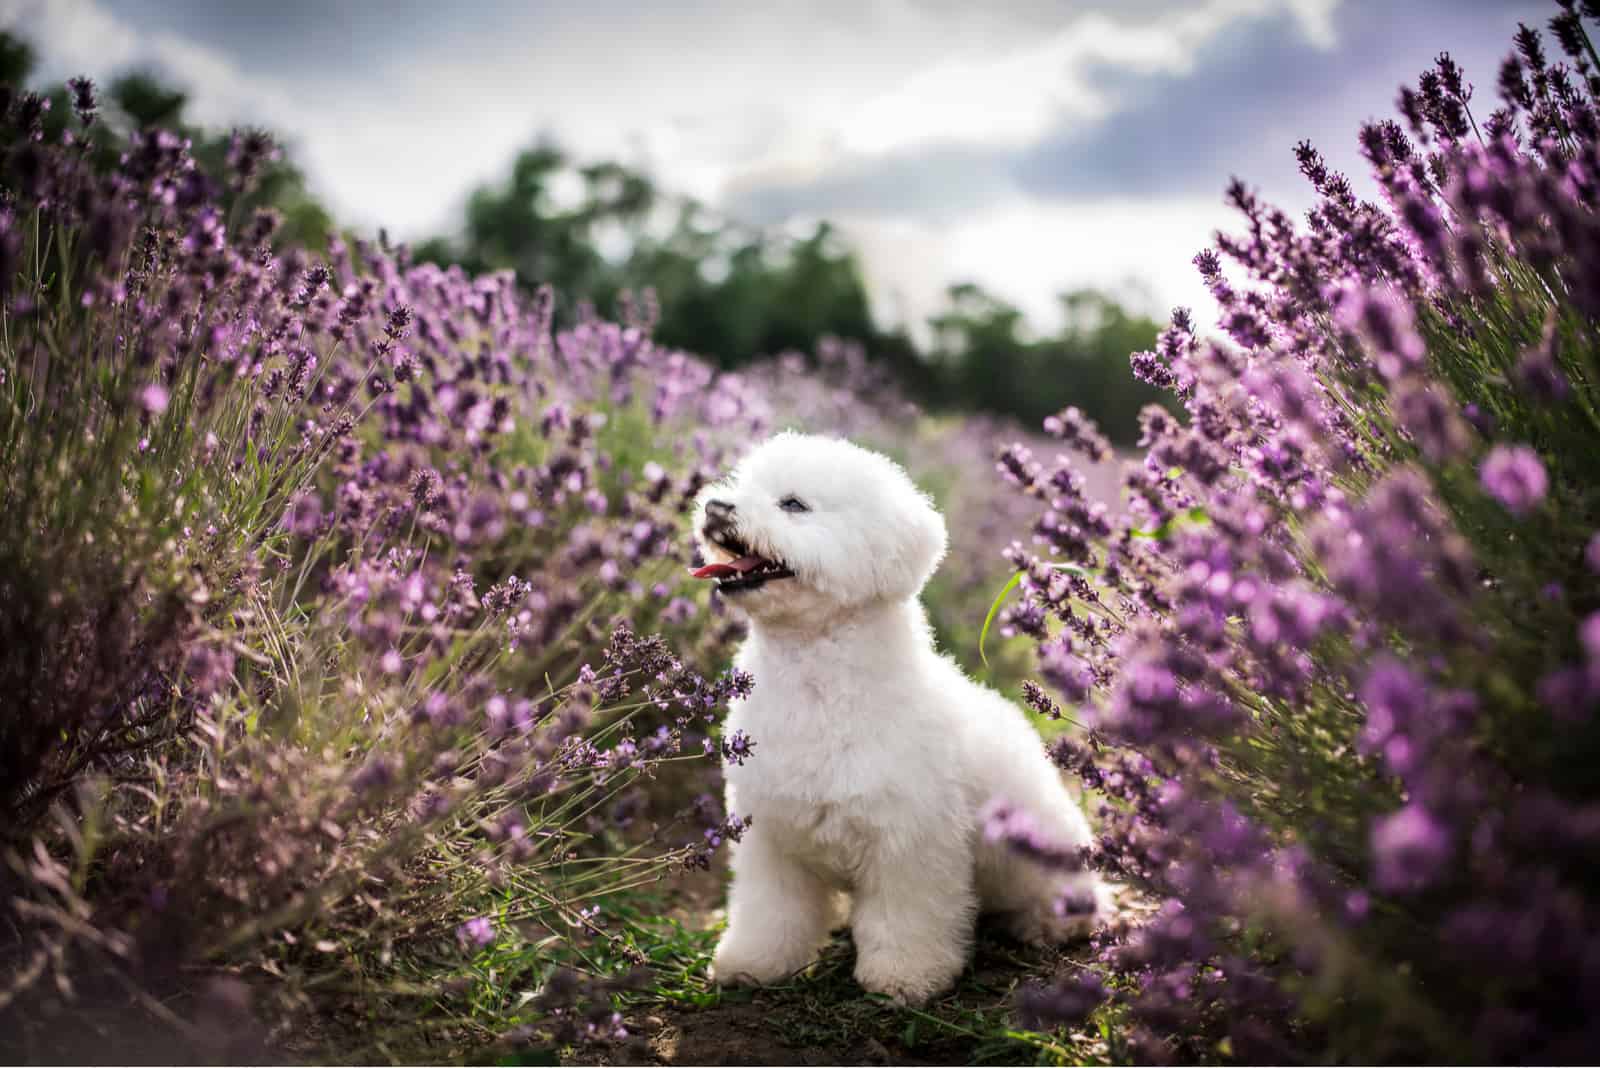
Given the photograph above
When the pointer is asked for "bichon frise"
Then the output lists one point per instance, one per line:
(875, 756)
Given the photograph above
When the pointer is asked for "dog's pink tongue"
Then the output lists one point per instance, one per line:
(735, 567)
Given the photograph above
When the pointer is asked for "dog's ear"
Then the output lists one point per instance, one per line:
(921, 539)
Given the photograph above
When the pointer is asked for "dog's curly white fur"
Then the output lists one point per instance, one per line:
(875, 755)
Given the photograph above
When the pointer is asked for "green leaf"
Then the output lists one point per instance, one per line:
(994, 610)
(1196, 515)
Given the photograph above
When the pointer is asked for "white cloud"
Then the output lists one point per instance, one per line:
(1009, 97)
(1029, 251)
(999, 99)
(1013, 98)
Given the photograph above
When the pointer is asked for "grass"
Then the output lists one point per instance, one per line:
(820, 1015)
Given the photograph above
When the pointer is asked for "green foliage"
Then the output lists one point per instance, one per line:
(146, 102)
(16, 59)
(986, 359)
(719, 289)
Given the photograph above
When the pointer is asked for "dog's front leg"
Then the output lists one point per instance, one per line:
(913, 918)
(779, 914)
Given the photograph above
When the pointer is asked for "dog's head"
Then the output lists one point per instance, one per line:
(806, 525)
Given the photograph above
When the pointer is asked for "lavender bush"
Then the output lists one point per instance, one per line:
(1340, 662)
(325, 587)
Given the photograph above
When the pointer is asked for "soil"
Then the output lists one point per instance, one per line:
(741, 1034)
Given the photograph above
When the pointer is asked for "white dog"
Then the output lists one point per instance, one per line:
(875, 756)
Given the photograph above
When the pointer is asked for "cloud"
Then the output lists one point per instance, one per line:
(953, 135)
(379, 151)
(945, 141)
(1015, 97)
(1169, 107)
(1029, 251)
(1254, 92)
(937, 184)
(1122, 193)
(1030, 144)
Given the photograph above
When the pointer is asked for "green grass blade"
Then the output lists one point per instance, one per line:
(1195, 515)
(994, 610)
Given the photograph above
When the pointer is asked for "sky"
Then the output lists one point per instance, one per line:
(1032, 146)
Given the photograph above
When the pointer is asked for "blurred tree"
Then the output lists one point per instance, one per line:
(728, 293)
(145, 102)
(518, 225)
(16, 60)
(987, 360)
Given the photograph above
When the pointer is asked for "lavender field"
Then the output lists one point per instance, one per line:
(356, 704)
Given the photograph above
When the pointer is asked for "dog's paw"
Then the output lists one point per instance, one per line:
(725, 976)
(729, 973)
(1046, 928)
(733, 967)
(906, 983)
(1075, 915)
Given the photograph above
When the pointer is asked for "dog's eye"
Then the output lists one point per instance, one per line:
(792, 503)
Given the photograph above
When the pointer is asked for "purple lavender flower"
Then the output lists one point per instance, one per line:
(1066, 672)
(376, 775)
(1410, 848)
(737, 747)
(1514, 476)
(1397, 702)
(476, 933)
(153, 398)
(83, 99)
(1432, 422)
(1078, 432)
(1389, 325)
(1042, 1007)
(304, 514)
(1425, 638)
(1589, 636)
(1004, 823)
(1539, 374)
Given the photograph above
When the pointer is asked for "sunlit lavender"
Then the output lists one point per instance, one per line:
(1338, 661)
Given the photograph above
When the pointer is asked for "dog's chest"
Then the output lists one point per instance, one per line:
(828, 838)
(825, 787)
(810, 755)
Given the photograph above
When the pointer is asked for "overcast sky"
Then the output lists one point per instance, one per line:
(1031, 146)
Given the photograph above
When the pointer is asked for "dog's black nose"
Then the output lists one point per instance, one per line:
(719, 511)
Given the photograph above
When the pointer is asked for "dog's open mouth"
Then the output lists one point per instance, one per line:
(746, 571)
